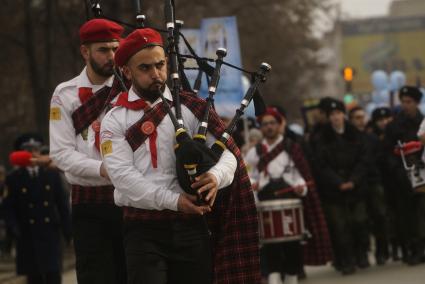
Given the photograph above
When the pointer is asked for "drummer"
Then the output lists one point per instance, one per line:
(276, 163)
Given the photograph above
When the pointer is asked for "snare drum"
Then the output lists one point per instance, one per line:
(281, 220)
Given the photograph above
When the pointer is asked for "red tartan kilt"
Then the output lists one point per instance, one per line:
(92, 194)
(135, 214)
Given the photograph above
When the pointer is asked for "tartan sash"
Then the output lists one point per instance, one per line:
(93, 106)
(266, 158)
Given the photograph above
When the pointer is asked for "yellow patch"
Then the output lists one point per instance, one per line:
(106, 147)
(55, 113)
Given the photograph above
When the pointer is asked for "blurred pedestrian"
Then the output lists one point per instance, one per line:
(5, 238)
(374, 194)
(254, 137)
(37, 211)
(409, 205)
(342, 167)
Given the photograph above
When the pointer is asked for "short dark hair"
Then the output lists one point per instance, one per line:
(353, 111)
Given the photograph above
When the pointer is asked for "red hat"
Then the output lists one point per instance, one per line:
(20, 158)
(273, 112)
(99, 30)
(135, 42)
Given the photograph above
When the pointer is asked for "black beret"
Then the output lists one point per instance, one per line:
(381, 112)
(409, 91)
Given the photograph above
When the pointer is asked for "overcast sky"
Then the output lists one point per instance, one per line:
(364, 8)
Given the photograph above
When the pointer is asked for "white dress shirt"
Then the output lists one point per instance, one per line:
(137, 183)
(78, 158)
(280, 167)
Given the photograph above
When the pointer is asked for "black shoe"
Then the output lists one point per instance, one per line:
(362, 261)
(348, 270)
(302, 275)
(381, 260)
(394, 253)
(337, 265)
(415, 259)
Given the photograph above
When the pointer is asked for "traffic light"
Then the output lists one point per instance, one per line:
(348, 73)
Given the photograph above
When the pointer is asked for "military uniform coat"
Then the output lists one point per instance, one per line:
(37, 211)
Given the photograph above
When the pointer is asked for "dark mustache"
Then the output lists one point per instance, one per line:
(157, 82)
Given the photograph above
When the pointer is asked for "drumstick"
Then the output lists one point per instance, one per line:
(290, 189)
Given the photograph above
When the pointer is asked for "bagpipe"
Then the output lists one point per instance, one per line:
(410, 154)
(193, 156)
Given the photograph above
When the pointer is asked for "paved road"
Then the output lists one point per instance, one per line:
(392, 273)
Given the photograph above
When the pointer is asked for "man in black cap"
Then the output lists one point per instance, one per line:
(380, 119)
(322, 119)
(313, 137)
(409, 206)
(375, 196)
(37, 211)
(342, 167)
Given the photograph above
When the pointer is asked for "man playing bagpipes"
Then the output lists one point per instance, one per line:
(279, 171)
(77, 108)
(166, 237)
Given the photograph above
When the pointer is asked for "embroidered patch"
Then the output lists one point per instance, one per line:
(148, 127)
(56, 100)
(106, 147)
(85, 133)
(106, 135)
(55, 113)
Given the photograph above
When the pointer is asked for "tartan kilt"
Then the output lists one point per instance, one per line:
(92, 194)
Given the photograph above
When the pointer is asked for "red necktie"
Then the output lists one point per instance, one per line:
(146, 126)
(84, 94)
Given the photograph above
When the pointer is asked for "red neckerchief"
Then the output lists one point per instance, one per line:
(85, 93)
(138, 105)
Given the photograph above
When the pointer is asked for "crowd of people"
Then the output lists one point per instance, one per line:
(364, 187)
(131, 220)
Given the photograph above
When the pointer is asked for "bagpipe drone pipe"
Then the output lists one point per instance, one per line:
(193, 156)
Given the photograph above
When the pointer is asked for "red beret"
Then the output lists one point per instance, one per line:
(135, 42)
(273, 112)
(100, 30)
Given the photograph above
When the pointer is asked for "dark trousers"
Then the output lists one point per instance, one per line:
(45, 278)
(378, 220)
(98, 242)
(285, 257)
(177, 252)
(348, 230)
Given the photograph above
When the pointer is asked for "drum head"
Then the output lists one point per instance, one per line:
(279, 204)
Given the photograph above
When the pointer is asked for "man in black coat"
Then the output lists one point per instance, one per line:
(37, 212)
(342, 166)
(409, 205)
(374, 195)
